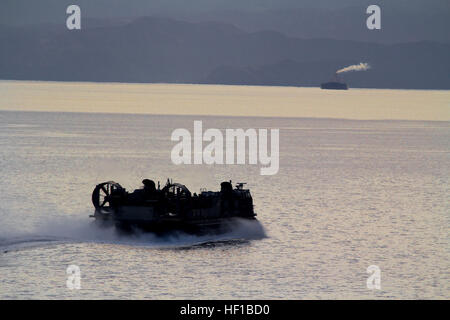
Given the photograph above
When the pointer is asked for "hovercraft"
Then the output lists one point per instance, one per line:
(172, 207)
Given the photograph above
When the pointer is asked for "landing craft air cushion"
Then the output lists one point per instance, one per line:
(171, 208)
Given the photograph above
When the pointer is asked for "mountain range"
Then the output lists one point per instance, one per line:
(160, 49)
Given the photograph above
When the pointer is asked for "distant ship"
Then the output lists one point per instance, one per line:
(335, 84)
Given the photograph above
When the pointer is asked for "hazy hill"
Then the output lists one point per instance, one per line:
(345, 23)
(154, 49)
(402, 20)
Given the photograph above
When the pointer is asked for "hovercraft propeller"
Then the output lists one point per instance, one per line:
(102, 194)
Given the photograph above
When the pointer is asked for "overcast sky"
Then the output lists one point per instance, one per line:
(18, 12)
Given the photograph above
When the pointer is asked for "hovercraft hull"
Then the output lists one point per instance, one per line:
(172, 208)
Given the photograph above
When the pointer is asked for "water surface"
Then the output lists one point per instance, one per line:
(349, 194)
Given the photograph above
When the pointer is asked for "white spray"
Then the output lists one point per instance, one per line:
(79, 230)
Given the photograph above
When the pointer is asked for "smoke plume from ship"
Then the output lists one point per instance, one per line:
(356, 67)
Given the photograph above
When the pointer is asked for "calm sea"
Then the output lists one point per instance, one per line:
(348, 194)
